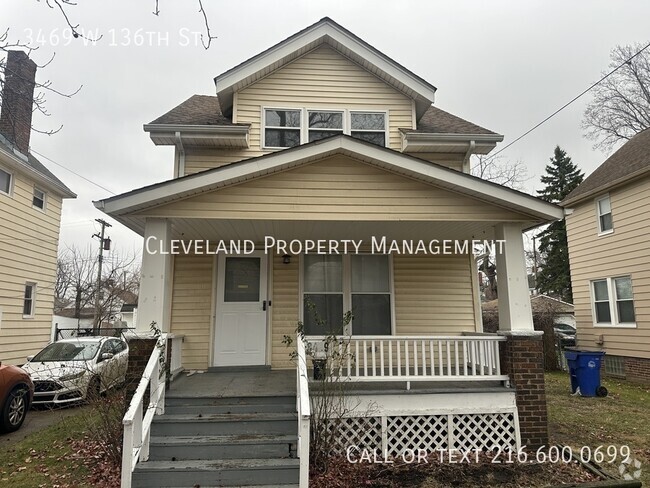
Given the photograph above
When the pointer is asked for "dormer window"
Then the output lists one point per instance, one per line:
(284, 128)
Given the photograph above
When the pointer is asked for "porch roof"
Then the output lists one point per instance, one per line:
(123, 207)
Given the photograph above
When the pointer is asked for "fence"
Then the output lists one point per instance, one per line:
(71, 333)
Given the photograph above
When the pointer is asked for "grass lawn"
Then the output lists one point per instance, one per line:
(47, 458)
(621, 419)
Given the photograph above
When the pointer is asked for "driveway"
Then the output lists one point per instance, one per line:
(37, 420)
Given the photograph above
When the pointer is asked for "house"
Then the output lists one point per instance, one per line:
(609, 253)
(563, 312)
(30, 216)
(323, 143)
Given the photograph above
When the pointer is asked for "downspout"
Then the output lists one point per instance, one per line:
(470, 150)
(181, 155)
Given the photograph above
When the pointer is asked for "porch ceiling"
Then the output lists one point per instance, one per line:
(257, 230)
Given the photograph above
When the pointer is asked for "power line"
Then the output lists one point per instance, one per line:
(570, 102)
(74, 173)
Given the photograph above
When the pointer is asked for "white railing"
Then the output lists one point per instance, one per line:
(138, 418)
(417, 358)
(304, 412)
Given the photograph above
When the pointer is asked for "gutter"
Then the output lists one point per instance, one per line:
(206, 129)
(432, 137)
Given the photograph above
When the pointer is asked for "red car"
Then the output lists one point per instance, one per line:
(16, 394)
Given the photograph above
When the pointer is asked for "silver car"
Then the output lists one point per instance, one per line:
(73, 370)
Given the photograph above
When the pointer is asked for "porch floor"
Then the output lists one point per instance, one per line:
(261, 383)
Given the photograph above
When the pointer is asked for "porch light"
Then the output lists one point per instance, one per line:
(286, 259)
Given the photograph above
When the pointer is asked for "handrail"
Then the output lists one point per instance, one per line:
(137, 422)
(304, 411)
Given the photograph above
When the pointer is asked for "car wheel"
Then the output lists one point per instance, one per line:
(94, 389)
(15, 410)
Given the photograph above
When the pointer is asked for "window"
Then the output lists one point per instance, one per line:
(369, 126)
(333, 284)
(38, 200)
(5, 182)
(604, 209)
(613, 302)
(29, 300)
(615, 365)
(282, 128)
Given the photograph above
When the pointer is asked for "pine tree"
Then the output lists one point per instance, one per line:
(561, 178)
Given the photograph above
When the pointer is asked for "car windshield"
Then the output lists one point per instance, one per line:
(68, 351)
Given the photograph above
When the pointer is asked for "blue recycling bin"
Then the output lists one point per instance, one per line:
(584, 370)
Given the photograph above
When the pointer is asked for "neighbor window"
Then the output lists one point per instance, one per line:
(613, 301)
(29, 300)
(282, 128)
(285, 128)
(5, 182)
(334, 284)
(604, 207)
(38, 199)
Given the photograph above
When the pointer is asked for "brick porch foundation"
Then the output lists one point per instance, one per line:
(522, 358)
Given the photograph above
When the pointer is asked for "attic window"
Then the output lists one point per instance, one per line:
(281, 128)
(324, 124)
(369, 126)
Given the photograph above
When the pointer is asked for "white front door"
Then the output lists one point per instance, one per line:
(240, 329)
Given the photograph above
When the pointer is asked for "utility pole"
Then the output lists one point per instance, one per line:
(104, 244)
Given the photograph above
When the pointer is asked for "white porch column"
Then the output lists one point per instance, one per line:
(512, 281)
(154, 303)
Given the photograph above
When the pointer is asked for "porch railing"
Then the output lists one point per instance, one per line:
(416, 358)
(138, 418)
(304, 412)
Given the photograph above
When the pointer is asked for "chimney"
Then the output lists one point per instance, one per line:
(17, 99)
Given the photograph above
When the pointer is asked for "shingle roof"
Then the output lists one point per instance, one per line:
(632, 158)
(196, 110)
(39, 167)
(538, 304)
(435, 120)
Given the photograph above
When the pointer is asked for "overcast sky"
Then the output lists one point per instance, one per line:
(504, 65)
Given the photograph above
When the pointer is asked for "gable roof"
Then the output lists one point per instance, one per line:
(36, 168)
(325, 31)
(400, 163)
(438, 121)
(196, 110)
(630, 161)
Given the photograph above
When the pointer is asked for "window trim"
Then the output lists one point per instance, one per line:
(40, 209)
(304, 122)
(347, 290)
(11, 182)
(33, 300)
(612, 300)
(602, 232)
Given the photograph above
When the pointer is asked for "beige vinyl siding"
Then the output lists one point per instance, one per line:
(336, 188)
(28, 252)
(433, 295)
(192, 307)
(624, 252)
(323, 78)
(284, 310)
(197, 160)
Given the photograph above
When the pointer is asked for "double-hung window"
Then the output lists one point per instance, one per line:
(613, 302)
(334, 284)
(369, 126)
(324, 124)
(604, 209)
(38, 199)
(282, 128)
(29, 300)
(5, 182)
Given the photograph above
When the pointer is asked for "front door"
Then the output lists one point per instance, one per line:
(240, 329)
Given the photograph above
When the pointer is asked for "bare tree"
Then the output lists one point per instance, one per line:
(77, 281)
(621, 104)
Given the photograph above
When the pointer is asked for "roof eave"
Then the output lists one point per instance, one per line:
(436, 137)
(604, 188)
(206, 129)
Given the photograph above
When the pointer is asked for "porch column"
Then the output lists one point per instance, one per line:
(154, 303)
(522, 355)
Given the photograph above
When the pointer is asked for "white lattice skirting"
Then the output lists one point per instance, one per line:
(395, 435)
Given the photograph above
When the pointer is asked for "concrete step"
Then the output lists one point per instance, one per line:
(181, 448)
(172, 400)
(236, 408)
(224, 424)
(229, 472)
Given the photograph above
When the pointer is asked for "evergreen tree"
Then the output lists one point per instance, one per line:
(561, 178)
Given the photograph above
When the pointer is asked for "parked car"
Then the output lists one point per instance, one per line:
(16, 393)
(72, 370)
(565, 329)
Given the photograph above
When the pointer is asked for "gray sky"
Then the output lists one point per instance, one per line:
(504, 65)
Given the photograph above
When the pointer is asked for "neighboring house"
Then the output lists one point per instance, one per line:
(609, 251)
(563, 312)
(30, 216)
(128, 315)
(324, 137)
